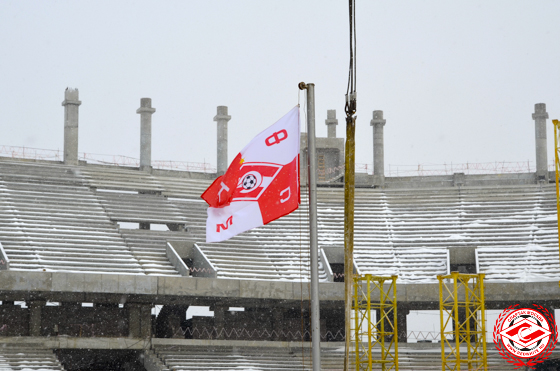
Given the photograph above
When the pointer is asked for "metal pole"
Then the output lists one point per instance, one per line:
(557, 168)
(314, 254)
(349, 231)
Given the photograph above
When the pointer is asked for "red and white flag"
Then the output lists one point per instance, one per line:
(260, 185)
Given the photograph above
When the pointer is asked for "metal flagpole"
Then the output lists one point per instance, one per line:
(314, 247)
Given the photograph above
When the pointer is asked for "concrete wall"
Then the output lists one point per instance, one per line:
(330, 159)
(455, 180)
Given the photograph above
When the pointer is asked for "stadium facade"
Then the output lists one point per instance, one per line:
(89, 251)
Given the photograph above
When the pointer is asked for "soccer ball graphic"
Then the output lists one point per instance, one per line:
(249, 182)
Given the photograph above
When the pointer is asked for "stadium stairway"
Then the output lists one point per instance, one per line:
(24, 358)
(152, 362)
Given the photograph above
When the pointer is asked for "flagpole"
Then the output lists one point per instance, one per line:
(314, 248)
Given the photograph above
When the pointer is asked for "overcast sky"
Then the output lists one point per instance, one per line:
(457, 80)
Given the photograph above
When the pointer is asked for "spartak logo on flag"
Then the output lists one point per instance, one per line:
(260, 185)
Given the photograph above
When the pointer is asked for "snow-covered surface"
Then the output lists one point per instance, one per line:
(279, 358)
(30, 359)
(65, 218)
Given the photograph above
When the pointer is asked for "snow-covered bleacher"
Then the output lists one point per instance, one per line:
(408, 231)
(28, 358)
(77, 218)
(282, 357)
(51, 221)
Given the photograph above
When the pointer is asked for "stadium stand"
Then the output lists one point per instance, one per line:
(25, 358)
(104, 261)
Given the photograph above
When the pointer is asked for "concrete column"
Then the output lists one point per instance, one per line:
(139, 320)
(331, 123)
(145, 321)
(222, 119)
(146, 111)
(540, 117)
(134, 320)
(71, 105)
(35, 308)
(402, 311)
(278, 323)
(378, 153)
(220, 321)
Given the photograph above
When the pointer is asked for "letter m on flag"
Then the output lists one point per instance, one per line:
(229, 222)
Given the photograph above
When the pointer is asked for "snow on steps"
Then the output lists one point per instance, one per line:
(52, 213)
(28, 358)
(50, 220)
(278, 358)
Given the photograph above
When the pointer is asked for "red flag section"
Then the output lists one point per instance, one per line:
(221, 190)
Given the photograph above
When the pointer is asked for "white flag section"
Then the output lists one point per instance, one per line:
(260, 185)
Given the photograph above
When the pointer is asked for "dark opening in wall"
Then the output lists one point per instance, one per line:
(463, 268)
(338, 272)
(100, 359)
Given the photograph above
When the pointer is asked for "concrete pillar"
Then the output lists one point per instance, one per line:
(540, 117)
(331, 123)
(134, 324)
(71, 105)
(145, 321)
(139, 320)
(222, 119)
(402, 311)
(146, 111)
(278, 324)
(35, 308)
(220, 321)
(378, 153)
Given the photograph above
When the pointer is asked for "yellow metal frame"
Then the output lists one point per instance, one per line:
(462, 317)
(557, 167)
(381, 333)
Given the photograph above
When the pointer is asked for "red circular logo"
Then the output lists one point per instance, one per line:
(525, 336)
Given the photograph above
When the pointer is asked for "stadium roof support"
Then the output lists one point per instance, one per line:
(378, 151)
(222, 118)
(146, 111)
(71, 104)
(540, 117)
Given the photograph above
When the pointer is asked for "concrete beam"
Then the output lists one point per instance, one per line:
(84, 287)
(67, 342)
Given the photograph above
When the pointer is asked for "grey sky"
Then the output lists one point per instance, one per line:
(457, 80)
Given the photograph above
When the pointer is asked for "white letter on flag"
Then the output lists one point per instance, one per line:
(260, 183)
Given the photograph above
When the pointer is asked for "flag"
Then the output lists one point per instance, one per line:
(260, 185)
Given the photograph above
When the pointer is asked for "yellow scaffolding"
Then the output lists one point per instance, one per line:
(557, 167)
(462, 321)
(382, 332)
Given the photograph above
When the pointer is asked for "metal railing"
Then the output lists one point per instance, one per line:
(102, 159)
